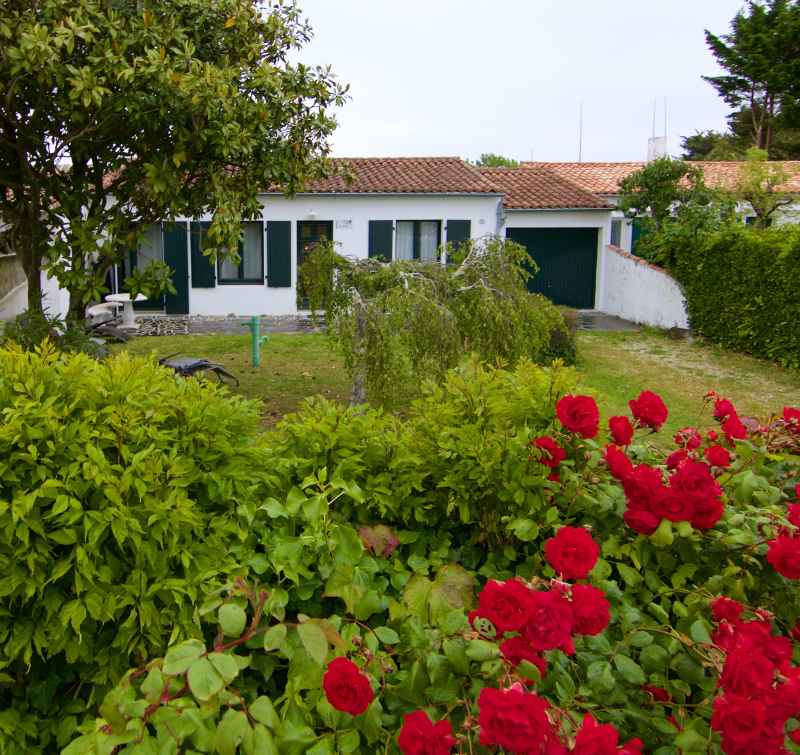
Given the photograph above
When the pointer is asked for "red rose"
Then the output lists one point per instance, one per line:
(793, 514)
(572, 552)
(734, 429)
(784, 555)
(549, 625)
(712, 435)
(726, 609)
(740, 721)
(346, 687)
(746, 672)
(619, 464)
(516, 649)
(757, 636)
(579, 414)
(717, 456)
(707, 512)
(643, 486)
(621, 430)
(658, 694)
(674, 505)
(506, 604)
(694, 478)
(676, 458)
(688, 438)
(724, 409)
(591, 611)
(595, 739)
(641, 520)
(649, 410)
(791, 416)
(514, 720)
(420, 736)
(632, 747)
(552, 454)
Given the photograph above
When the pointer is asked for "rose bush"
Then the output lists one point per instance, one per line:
(368, 581)
(629, 606)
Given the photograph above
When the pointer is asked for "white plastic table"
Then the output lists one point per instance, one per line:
(128, 319)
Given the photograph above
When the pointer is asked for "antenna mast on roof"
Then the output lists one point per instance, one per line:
(580, 134)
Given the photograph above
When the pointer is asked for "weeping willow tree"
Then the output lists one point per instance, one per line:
(401, 323)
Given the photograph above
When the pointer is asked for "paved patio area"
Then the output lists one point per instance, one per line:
(591, 319)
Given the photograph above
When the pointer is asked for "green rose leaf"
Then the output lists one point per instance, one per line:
(387, 636)
(314, 641)
(630, 670)
(263, 711)
(225, 665)
(274, 637)
(232, 619)
(181, 656)
(231, 731)
(204, 681)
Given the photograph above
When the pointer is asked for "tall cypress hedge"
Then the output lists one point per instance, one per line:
(742, 289)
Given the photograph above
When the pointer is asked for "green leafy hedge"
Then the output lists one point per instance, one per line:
(741, 289)
(120, 491)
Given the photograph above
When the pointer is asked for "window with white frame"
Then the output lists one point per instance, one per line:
(418, 240)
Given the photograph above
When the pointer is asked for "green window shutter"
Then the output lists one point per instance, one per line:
(458, 231)
(279, 254)
(381, 239)
(203, 274)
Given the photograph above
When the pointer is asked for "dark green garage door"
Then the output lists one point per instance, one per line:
(567, 259)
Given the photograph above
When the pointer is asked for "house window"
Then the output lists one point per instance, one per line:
(616, 233)
(418, 240)
(250, 266)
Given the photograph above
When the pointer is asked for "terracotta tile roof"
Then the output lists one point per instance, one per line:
(405, 175)
(604, 178)
(529, 188)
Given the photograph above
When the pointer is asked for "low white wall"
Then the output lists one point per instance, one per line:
(641, 292)
(14, 302)
(55, 300)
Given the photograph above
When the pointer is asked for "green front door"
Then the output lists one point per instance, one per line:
(567, 260)
(176, 255)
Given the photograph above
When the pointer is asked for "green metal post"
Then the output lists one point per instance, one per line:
(256, 339)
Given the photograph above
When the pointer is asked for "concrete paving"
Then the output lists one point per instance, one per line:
(591, 319)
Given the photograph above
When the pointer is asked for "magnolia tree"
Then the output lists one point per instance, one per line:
(400, 322)
(114, 115)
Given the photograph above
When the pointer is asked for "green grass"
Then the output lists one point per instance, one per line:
(293, 366)
(615, 367)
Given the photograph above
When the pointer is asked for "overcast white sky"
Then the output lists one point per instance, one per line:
(461, 77)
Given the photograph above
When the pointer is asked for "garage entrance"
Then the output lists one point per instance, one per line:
(567, 260)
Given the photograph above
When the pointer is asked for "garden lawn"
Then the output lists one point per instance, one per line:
(615, 367)
(293, 366)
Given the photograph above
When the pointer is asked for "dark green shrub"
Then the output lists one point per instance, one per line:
(30, 329)
(741, 290)
(121, 491)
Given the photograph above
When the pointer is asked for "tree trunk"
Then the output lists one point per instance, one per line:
(32, 266)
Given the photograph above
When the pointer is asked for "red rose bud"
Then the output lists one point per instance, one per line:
(621, 430)
(723, 409)
(649, 410)
(579, 415)
(572, 552)
(712, 435)
(718, 456)
(420, 736)
(346, 687)
(659, 694)
(552, 454)
(784, 555)
(675, 459)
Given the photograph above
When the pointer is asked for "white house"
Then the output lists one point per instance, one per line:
(406, 208)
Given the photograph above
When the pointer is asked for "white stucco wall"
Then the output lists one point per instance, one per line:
(350, 214)
(643, 293)
(55, 300)
(600, 219)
